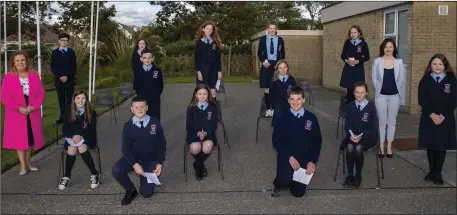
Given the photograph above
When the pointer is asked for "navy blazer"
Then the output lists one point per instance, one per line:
(262, 53)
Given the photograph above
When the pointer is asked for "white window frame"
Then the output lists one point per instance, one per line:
(395, 33)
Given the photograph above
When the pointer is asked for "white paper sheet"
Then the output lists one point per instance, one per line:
(70, 141)
(301, 176)
(353, 135)
(152, 178)
(218, 84)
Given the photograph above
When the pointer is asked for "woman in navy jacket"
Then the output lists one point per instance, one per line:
(355, 53)
(207, 56)
(80, 131)
(201, 126)
(438, 99)
(141, 45)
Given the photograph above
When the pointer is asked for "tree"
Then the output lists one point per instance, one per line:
(28, 22)
(314, 9)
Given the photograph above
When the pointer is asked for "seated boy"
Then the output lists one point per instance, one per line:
(297, 140)
(143, 150)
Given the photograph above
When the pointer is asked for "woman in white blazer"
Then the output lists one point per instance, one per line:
(388, 75)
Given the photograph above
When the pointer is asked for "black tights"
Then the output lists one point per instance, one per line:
(350, 95)
(87, 158)
(354, 156)
(436, 161)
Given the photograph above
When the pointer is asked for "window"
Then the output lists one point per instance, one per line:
(396, 27)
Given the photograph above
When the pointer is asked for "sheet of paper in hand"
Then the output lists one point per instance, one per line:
(301, 176)
(218, 84)
(152, 178)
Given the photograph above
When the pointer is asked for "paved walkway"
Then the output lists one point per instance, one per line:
(249, 170)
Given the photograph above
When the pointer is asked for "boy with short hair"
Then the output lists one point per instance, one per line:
(143, 150)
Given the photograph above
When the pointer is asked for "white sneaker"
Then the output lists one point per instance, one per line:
(94, 181)
(64, 183)
(268, 113)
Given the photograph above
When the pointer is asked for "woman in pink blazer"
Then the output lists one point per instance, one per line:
(22, 94)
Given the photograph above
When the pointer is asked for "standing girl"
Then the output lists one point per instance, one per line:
(355, 53)
(438, 99)
(201, 125)
(360, 129)
(22, 95)
(389, 77)
(141, 45)
(280, 88)
(207, 56)
(80, 131)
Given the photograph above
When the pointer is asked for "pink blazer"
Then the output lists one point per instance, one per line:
(15, 134)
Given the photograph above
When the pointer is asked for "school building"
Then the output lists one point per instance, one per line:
(421, 29)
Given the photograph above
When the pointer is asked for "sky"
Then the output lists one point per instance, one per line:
(129, 13)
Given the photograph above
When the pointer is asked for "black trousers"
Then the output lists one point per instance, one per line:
(64, 94)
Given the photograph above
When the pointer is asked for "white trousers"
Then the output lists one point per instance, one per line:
(387, 108)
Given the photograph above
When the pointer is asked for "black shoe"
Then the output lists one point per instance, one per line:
(198, 172)
(390, 155)
(381, 155)
(129, 196)
(204, 171)
(356, 183)
(275, 193)
(438, 181)
(348, 181)
(429, 177)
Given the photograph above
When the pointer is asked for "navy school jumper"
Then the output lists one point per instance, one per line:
(356, 73)
(196, 120)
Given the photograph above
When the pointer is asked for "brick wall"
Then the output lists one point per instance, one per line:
(335, 34)
(303, 53)
(430, 34)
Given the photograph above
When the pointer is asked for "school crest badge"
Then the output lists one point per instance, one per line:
(214, 46)
(365, 117)
(156, 74)
(279, 48)
(85, 125)
(359, 48)
(289, 88)
(447, 88)
(209, 115)
(153, 129)
(308, 125)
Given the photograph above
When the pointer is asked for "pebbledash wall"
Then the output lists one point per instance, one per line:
(429, 30)
(303, 53)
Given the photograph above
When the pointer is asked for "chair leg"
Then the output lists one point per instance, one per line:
(225, 99)
(257, 131)
(338, 127)
(114, 113)
(344, 162)
(225, 134)
(185, 161)
(61, 166)
(99, 164)
(377, 171)
(219, 160)
(382, 167)
(337, 165)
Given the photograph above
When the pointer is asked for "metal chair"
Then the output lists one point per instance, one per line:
(64, 153)
(125, 90)
(220, 121)
(304, 84)
(375, 150)
(221, 90)
(104, 98)
(262, 115)
(220, 166)
(341, 115)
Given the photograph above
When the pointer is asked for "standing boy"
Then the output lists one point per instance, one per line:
(63, 66)
(143, 150)
(297, 140)
(271, 50)
(149, 83)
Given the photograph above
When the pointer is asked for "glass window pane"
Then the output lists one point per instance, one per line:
(403, 35)
(390, 23)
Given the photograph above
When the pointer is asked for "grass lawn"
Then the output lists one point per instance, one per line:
(51, 113)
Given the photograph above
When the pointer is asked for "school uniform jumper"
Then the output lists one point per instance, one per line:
(357, 49)
(136, 66)
(361, 118)
(207, 59)
(201, 117)
(270, 49)
(299, 137)
(279, 92)
(63, 63)
(439, 98)
(88, 131)
(150, 87)
(143, 142)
